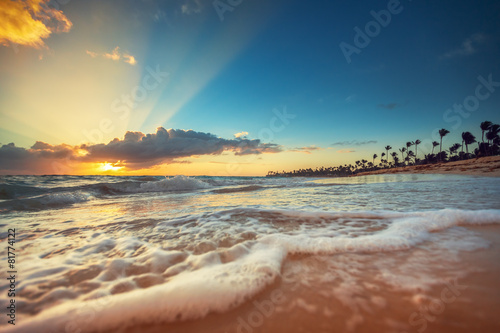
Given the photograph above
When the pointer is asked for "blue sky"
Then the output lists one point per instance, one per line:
(227, 76)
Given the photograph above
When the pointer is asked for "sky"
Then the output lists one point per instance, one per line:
(238, 87)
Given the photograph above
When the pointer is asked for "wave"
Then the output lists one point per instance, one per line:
(177, 183)
(385, 232)
(46, 201)
(8, 191)
(249, 188)
(147, 284)
(19, 197)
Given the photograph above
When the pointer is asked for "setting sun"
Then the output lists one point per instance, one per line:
(109, 167)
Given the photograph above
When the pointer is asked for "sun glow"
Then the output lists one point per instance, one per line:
(109, 167)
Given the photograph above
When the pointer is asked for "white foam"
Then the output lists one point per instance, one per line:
(177, 183)
(405, 231)
(212, 287)
(65, 198)
(188, 286)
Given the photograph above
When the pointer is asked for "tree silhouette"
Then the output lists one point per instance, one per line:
(434, 145)
(387, 148)
(492, 147)
(485, 125)
(442, 133)
(402, 150)
(395, 157)
(468, 139)
(417, 142)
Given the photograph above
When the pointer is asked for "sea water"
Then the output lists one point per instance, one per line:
(251, 254)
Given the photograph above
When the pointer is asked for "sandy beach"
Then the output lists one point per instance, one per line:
(485, 166)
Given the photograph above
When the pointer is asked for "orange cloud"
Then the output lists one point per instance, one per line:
(305, 150)
(240, 135)
(92, 54)
(129, 59)
(115, 55)
(29, 22)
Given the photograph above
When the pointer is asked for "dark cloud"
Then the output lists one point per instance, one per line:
(136, 150)
(353, 143)
(39, 157)
(390, 106)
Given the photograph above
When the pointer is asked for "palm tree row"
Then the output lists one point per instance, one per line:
(491, 147)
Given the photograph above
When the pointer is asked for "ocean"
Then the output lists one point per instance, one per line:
(381, 253)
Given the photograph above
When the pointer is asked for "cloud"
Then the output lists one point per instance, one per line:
(29, 22)
(159, 15)
(129, 59)
(92, 54)
(390, 106)
(135, 151)
(345, 151)
(114, 55)
(34, 160)
(353, 143)
(192, 7)
(305, 150)
(240, 135)
(350, 98)
(468, 47)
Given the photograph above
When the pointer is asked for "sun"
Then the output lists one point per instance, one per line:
(109, 167)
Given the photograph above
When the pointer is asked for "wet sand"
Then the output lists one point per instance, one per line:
(485, 166)
(362, 293)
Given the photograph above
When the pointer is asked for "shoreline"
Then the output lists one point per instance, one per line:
(485, 166)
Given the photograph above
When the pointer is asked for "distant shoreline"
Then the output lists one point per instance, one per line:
(484, 166)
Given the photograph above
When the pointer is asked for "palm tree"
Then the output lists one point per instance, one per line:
(408, 145)
(485, 125)
(394, 157)
(442, 132)
(454, 148)
(492, 132)
(374, 157)
(468, 139)
(493, 138)
(402, 150)
(417, 142)
(387, 148)
(434, 145)
(410, 155)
